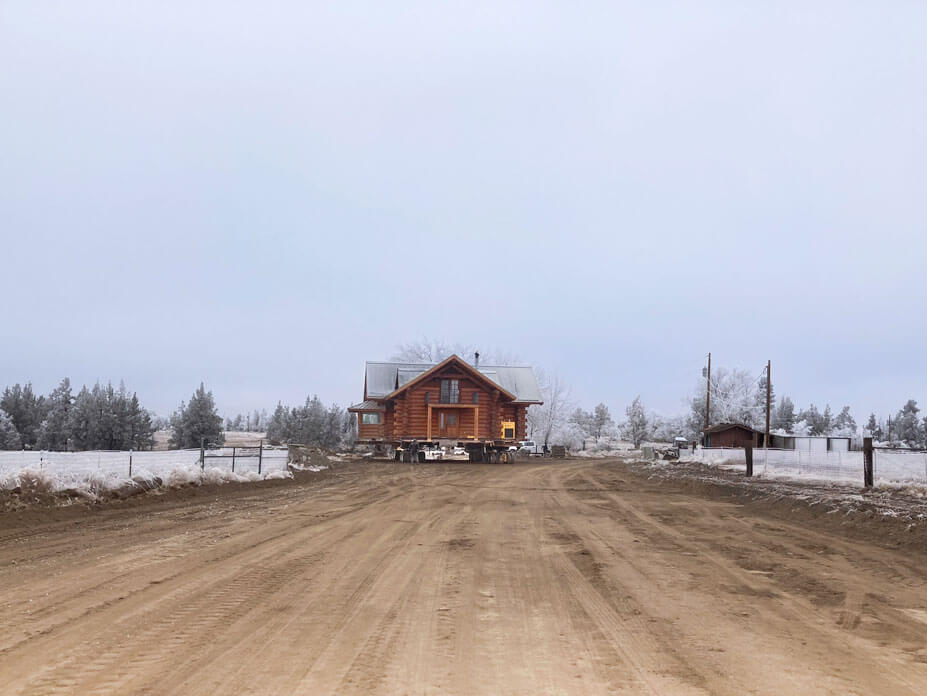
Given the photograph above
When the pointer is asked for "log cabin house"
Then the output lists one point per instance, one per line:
(450, 400)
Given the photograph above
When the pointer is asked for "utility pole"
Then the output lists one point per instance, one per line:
(768, 399)
(708, 395)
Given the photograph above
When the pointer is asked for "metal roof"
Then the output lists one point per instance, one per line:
(384, 378)
(727, 426)
(367, 406)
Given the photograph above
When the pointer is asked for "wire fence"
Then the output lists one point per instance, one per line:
(79, 466)
(890, 467)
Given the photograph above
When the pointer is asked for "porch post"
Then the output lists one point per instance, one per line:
(428, 429)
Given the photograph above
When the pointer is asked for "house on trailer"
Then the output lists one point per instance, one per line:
(733, 435)
(450, 400)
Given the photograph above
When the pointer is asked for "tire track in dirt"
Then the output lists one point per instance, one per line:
(788, 597)
(552, 577)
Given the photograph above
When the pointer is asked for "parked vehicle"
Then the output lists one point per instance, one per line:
(532, 448)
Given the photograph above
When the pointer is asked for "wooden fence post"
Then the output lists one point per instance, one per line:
(748, 455)
(202, 454)
(233, 460)
(260, 455)
(130, 463)
(867, 462)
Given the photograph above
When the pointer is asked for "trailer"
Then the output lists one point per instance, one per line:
(488, 451)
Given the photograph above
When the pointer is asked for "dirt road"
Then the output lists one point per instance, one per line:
(558, 578)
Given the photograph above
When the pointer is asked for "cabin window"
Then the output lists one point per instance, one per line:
(427, 397)
(476, 397)
(450, 391)
(370, 418)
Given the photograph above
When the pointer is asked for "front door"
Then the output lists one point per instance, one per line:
(448, 424)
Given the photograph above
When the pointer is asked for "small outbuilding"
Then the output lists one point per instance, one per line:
(732, 435)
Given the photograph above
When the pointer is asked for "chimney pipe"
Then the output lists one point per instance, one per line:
(476, 359)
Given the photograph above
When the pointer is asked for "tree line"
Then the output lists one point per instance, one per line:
(99, 417)
(737, 397)
(312, 424)
(255, 422)
(104, 417)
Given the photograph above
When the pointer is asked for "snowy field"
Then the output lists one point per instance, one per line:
(101, 470)
(895, 468)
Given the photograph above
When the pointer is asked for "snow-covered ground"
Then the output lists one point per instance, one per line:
(896, 468)
(102, 471)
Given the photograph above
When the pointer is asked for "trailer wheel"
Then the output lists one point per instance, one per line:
(492, 457)
(421, 457)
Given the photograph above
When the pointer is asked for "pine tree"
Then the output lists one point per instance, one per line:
(814, 420)
(785, 415)
(278, 429)
(844, 424)
(139, 432)
(331, 436)
(873, 428)
(55, 431)
(601, 420)
(197, 421)
(26, 410)
(9, 438)
(760, 402)
(907, 424)
(84, 421)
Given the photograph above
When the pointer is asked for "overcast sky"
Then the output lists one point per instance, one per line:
(263, 196)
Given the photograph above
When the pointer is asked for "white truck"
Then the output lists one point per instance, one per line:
(532, 448)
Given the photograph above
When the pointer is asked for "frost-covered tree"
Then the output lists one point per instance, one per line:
(197, 421)
(802, 427)
(759, 402)
(813, 419)
(907, 426)
(312, 424)
(278, 427)
(138, 430)
(348, 430)
(666, 429)
(547, 421)
(110, 419)
(55, 431)
(428, 350)
(580, 423)
(26, 409)
(84, 421)
(636, 426)
(844, 424)
(784, 417)
(873, 428)
(9, 437)
(733, 400)
(601, 421)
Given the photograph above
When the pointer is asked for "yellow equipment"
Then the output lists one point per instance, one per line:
(508, 430)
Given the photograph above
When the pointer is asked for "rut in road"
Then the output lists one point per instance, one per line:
(567, 577)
